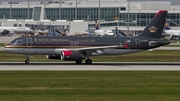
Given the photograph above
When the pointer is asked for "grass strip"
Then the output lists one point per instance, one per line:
(2, 44)
(144, 56)
(89, 86)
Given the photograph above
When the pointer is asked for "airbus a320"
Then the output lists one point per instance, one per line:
(78, 48)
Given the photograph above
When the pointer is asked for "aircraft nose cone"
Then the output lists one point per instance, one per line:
(7, 48)
(6, 44)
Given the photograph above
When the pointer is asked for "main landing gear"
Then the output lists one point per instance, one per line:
(27, 59)
(78, 61)
(87, 61)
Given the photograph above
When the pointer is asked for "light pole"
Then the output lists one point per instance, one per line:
(10, 11)
(76, 11)
(99, 14)
(128, 19)
(28, 10)
(59, 9)
(44, 9)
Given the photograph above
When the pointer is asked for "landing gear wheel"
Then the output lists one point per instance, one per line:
(27, 61)
(78, 61)
(88, 61)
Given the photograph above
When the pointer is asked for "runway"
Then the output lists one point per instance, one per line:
(96, 66)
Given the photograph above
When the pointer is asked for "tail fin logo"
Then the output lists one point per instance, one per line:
(153, 29)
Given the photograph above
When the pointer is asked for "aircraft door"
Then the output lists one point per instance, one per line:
(71, 43)
(138, 43)
(29, 42)
(75, 43)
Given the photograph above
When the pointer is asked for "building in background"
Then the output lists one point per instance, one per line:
(112, 12)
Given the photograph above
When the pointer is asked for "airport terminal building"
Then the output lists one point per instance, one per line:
(110, 12)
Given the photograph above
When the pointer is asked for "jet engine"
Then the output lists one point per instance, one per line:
(71, 55)
(153, 43)
(53, 56)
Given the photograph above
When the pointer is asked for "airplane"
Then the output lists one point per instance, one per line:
(99, 32)
(172, 34)
(119, 33)
(76, 49)
(54, 33)
(11, 30)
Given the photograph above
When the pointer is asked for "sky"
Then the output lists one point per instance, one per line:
(173, 2)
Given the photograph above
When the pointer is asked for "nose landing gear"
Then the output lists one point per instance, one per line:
(27, 59)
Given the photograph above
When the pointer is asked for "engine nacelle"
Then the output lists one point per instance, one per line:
(153, 43)
(53, 56)
(71, 55)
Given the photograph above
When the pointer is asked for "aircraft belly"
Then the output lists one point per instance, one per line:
(31, 51)
(119, 51)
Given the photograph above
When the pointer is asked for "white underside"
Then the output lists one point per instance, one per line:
(57, 51)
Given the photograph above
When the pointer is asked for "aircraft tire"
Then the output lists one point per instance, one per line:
(88, 61)
(78, 61)
(26, 61)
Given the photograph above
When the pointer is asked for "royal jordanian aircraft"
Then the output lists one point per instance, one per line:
(12, 30)
(79, 48)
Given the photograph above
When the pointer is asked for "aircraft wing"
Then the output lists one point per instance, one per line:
(95, 49)
(101, 47)
(176, 34)
(6, 31)
(10, 31)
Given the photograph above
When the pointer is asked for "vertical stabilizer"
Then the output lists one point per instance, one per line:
(167, 26)
(155, 28)
(96, 25)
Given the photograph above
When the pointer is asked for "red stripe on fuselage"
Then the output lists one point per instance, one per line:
(68, 46)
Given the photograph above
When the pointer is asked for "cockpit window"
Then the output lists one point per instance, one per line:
(17, 41)
(13, 41)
